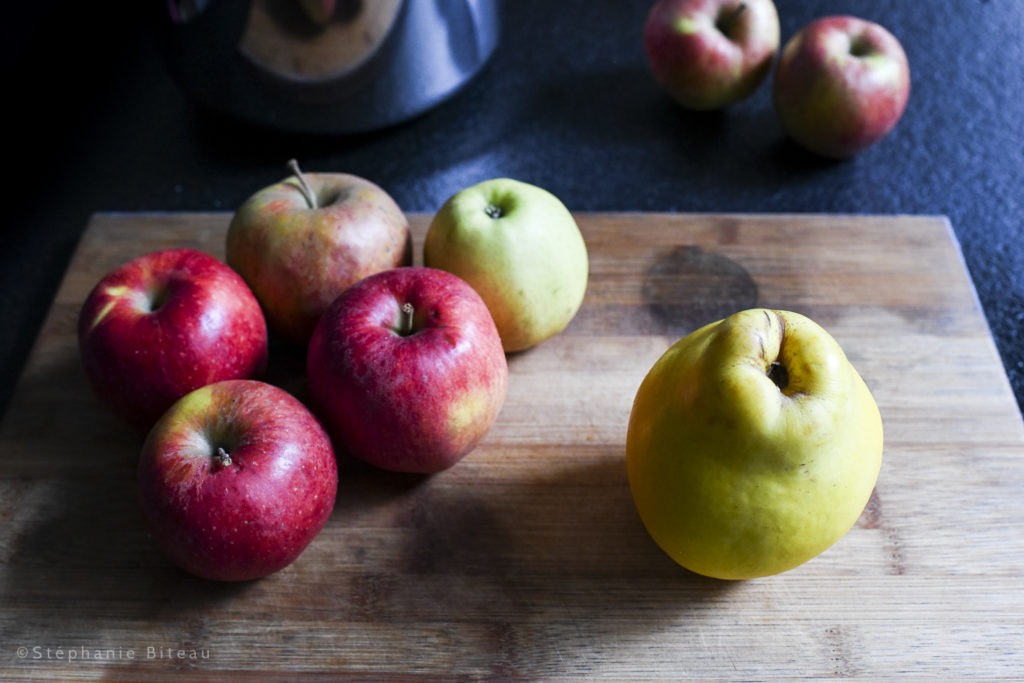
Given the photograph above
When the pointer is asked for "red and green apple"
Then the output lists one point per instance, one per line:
(236, 479)
(163, 324)
(841, 85)
(709, 54)
(407, 371)
(301, 242)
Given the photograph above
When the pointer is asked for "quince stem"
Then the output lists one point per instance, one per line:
(308, 193)
(778, 374)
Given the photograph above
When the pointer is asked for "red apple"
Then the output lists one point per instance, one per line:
(303, 241)
(708, 54)
(236, 480)
(164, 324)
(841, 85)
(407, 370)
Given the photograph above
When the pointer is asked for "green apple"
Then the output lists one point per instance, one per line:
(301, 242)
(520, 248)
(753, 445)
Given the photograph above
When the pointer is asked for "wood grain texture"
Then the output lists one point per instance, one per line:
(527, 560)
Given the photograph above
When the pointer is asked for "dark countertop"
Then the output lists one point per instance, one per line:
(566, 103)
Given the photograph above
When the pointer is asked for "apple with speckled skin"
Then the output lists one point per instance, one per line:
(841, 85)
(709, 54)
(236, 479)
(163, 324)
(407, 371)
(301, 242)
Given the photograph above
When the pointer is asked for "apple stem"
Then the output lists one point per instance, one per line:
(222, 458)
(860, 47)
(157, 298)
(405, 327)
(728, 20)
(494, 211)
(308, 193)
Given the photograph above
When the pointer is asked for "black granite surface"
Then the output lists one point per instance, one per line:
(94, 123)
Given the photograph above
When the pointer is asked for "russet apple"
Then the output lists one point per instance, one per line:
(708, 54)
(521, 249)
(753, 445)
(236, 479)
(163, 324)
(842, 83)
(407, 371)
(299, 243)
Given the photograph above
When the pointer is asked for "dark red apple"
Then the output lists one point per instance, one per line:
(166, 323)
(407, 370)
(236, 480)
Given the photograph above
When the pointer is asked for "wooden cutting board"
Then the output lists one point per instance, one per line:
(527, 560)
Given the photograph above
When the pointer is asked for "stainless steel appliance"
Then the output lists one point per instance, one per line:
(326, 66)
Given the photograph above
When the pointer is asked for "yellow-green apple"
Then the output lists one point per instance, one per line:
(299, 243)
(753, 445)
(521, 249)
(708, 54)
(406, 370)
(163, 324)
(236, 479)
(841, 85)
